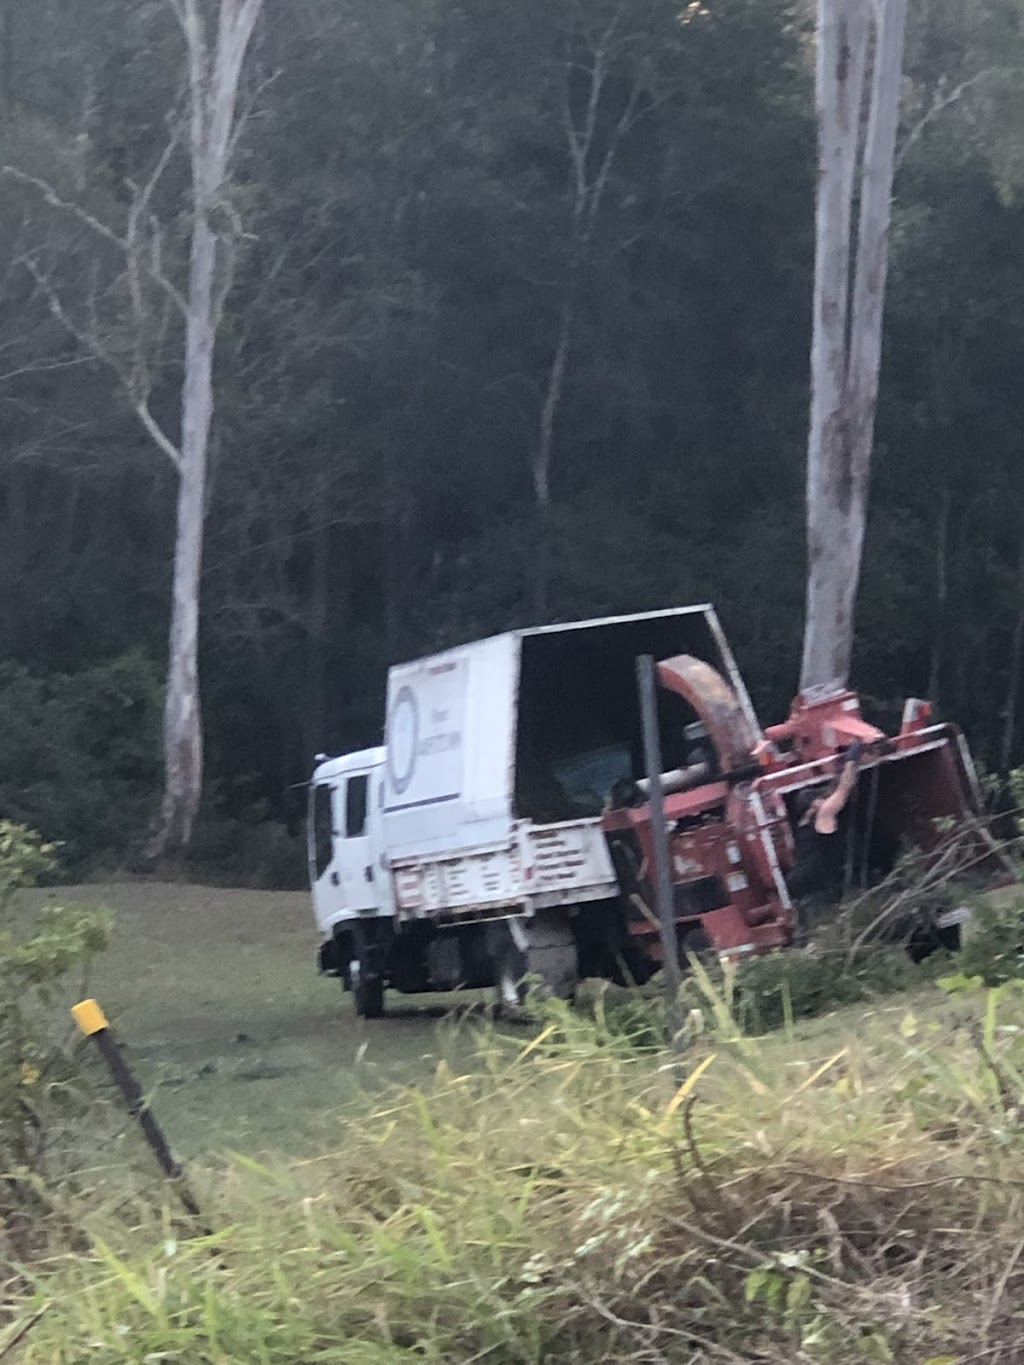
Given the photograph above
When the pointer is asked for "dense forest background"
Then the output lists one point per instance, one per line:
(468, 377)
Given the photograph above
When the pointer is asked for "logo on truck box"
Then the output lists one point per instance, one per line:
(424, 737)
(403, 739)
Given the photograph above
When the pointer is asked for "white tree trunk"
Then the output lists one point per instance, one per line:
(183, 731)
(541, 466)
(213, 92)
(847, 336)
(214, 76)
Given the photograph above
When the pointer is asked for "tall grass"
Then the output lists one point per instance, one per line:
(573, 1199)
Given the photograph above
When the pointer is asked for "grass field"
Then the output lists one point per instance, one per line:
(215, 995)
(842, 1191)
(241, 1044)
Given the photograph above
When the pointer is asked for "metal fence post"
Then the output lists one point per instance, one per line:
(91, 1020)
(647, 688)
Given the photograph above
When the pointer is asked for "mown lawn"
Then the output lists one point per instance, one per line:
(215, 995)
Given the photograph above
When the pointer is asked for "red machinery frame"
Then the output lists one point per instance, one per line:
(731, 836)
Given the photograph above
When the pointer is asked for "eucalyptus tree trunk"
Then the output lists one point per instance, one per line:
(214, 75)
(183, 722)
(849, 296)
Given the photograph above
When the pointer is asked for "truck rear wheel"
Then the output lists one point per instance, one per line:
(543, 947)
(367, 991)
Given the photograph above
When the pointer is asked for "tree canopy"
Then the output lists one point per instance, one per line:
(408, 183)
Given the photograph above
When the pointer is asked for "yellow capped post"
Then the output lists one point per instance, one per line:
(93, 1023)
(89, 1017)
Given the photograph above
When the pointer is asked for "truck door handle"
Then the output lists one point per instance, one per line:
(368, 873)
(334, 879)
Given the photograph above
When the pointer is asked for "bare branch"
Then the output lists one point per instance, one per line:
(622, 127)
(92, 343)
(96, 225)
(45, 367)
(234, 31)
(597, 79)
(941, 103)
(52, 198)
(229, 255)
(136, 265)
(141, 203)
(163, 327)
(242, 119)
(581, 140)
(157, 433)
(576, 152)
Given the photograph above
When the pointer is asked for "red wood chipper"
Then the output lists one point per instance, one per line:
(734, 808)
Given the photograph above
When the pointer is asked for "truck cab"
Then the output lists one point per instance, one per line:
(348, 872)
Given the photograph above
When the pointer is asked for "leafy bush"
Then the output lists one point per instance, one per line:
(802, 985)
(259, 853)
(79, 756)
(994, 945)
(765, 993)
(33, 956)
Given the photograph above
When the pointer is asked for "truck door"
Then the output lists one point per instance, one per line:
(383, 893)
(323, 876)
(353, 855)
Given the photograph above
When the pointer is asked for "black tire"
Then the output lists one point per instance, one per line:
(695, 941)
(369, 996)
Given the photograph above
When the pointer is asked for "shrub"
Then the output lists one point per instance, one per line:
(764, 993)
(260, 853)
(79, 756)
(994, 944)
(34, 954)
(802, 985)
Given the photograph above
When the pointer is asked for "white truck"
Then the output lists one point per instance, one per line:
(469, 849)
